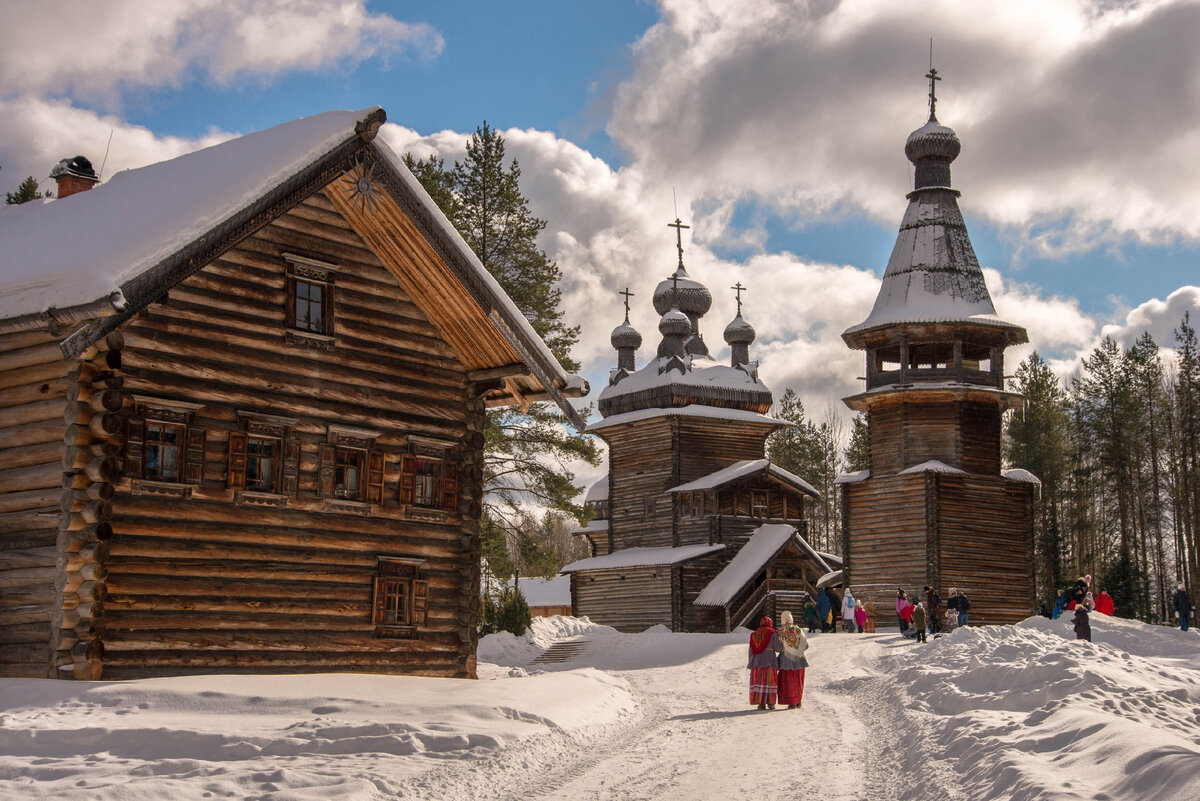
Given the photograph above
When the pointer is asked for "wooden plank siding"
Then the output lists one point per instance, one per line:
(886, 518)
(640, 473)
(221, 580)
(33, 400)
(905, 433)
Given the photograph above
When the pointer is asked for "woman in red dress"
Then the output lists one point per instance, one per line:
(792, 663)
(764, 665)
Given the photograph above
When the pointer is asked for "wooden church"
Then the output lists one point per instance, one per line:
(696, 530)
(242, 399)
(935, 507)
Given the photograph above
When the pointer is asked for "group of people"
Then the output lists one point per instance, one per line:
(922, 614)
(777, 663)
(1082, 601)
(857, 615)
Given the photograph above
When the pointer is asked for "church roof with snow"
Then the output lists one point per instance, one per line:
(764, 543)
(642, 557)
(744, 469)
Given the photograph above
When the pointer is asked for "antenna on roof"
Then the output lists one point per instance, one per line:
(105, 159)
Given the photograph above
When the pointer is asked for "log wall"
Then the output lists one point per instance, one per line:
(33, 402)
(965, 435)
(631, 599)
(201, 577)
(887, 536)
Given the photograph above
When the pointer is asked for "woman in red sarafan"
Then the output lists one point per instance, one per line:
(791, 662)
(764, 664)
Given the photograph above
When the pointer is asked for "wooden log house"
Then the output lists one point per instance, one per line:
(935, 507)
(242, 408)
(687, 486)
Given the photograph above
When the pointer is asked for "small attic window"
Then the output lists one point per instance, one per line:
(309, 299)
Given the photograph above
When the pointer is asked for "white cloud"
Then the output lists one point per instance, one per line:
(85, 48)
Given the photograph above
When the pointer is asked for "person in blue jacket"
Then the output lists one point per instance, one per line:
(1060, 604)
(823, 609)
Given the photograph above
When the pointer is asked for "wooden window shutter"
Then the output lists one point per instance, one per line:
(135, 447)
(237, 461)
(420, 602)
(380, 600)
(290, 481)
(375, 477)
(326, 470)
(408, 481)
(193, 464)
(450, 485)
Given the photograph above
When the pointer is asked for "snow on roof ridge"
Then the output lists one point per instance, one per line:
(746, 467)
(851, 478)
(590, 526)
(1020, 474)
(642, 557)
(598, 491)
(832, 577)
(931, 466)
(693, 410)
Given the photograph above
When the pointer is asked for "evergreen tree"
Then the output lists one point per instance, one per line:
(1187, 433)
(1036, 440)
(526, 451)
(26, 191)
(858, 453)
(812, 452)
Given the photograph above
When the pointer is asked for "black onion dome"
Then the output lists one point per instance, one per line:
(932, 140)
(739, 332)
(626, 336)
(674, 322)
(692, 298)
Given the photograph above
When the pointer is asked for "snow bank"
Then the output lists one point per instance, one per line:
(1027, 712)
(328, 736)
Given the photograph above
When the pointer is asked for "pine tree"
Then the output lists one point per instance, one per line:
(1187, 425)
(526, 451)
(26, 191)
(857, 455)
(1036, 440)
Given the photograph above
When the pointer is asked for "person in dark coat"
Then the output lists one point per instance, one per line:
(933, 607)
(964, 606)
(810, 615)
(835, 606)
(919, 622)
(1083, 626)
(1183, 606)
(823, 609)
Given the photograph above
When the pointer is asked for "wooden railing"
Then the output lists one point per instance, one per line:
(747, 609)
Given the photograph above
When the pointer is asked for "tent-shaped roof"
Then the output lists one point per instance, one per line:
(85, 263)
(744, 469)
(761, 548)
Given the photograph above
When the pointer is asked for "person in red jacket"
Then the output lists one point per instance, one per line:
(1105, 604)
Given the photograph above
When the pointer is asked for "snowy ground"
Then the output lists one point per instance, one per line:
(1015, 712)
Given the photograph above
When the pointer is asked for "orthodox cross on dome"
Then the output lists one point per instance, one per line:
(933, 79)
(679, 226)
(739, 289)
(674, 279)
(627, 295)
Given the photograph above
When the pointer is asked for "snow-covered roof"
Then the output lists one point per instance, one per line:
(545, 592)
(932, 466)
(84, 247)
(592, 526)
(95, 247)
(703, 372)
(597, 492)
(642, 557)
(1020, 474)
(695, 410)
(851, 478)
(829, 579)
(762, 545)
(831, 559)
(933, 275)
(739, 470)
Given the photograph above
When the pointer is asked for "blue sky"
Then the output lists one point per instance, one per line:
(776, 128)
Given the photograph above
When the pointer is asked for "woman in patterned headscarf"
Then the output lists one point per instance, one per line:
(791, 662)
(764, 665)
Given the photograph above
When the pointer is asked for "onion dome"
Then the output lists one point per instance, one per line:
(739, 332)
(932, 140)
(626, 336)
(674, 323)
(692, 298)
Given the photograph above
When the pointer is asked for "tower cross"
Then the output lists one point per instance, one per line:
(933, 79)
(679, 226)
(739, 289)
(627, 295)
(674, 279)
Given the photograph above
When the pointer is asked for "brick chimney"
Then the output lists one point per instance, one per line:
(74, 175)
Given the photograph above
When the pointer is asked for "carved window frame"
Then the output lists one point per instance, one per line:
(302, 270)
(262, 428)
(342, 443)
(431, 460)
(399, 605)
(169, 414)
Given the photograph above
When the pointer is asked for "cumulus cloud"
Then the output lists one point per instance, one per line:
(69, 46)
(1077, 116)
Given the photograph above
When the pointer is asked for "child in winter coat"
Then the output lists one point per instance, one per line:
(860, 616)
(1083, 626)
(869, 608)
(951, 620)
(810, 615)
(919, 620)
